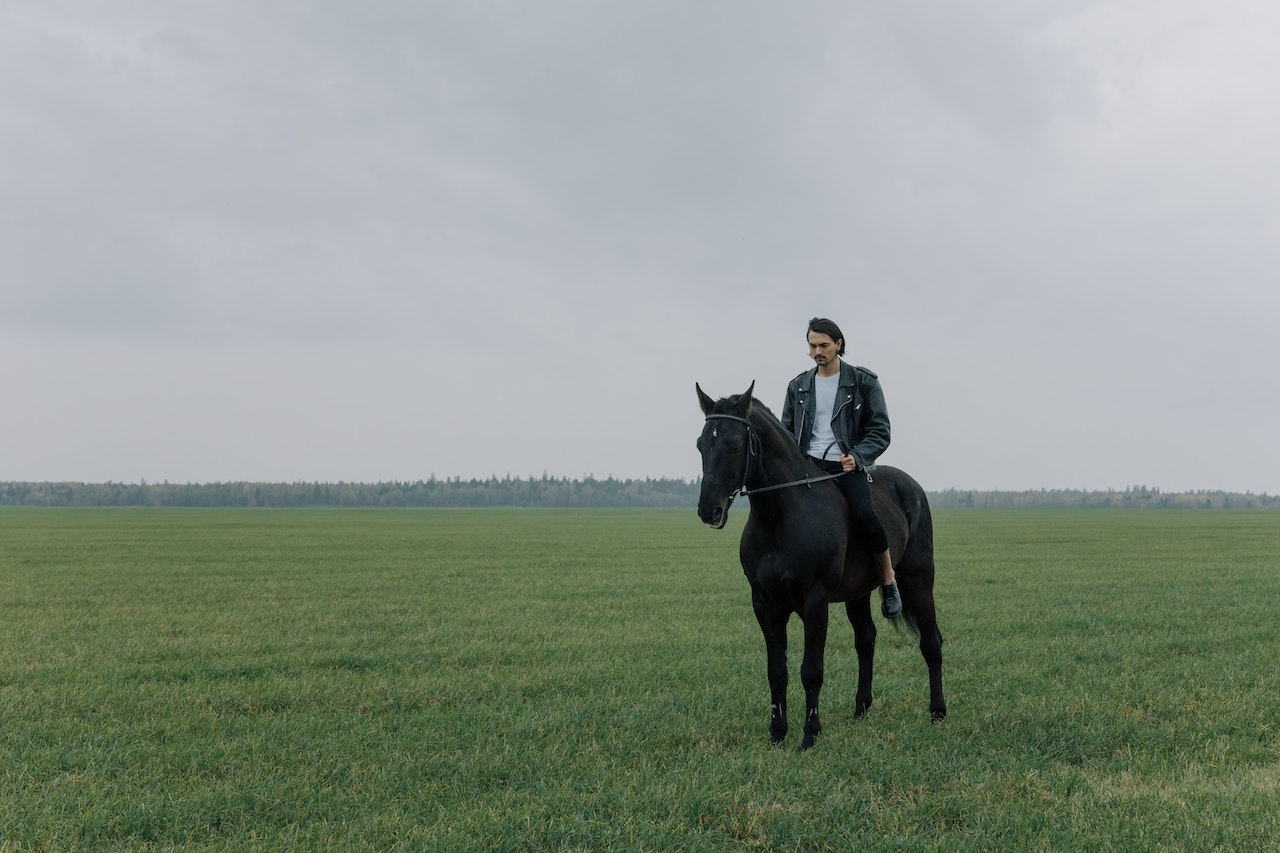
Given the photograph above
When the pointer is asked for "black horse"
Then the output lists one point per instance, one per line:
(798, 555)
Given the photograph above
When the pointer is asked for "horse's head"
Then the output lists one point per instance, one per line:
(726, 445)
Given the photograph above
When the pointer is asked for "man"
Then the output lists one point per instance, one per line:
(837, 414)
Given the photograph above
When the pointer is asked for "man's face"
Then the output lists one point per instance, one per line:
(822, 349)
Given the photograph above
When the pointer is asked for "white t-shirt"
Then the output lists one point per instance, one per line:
(825, 389)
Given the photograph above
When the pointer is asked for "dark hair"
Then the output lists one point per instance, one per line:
(823, 326)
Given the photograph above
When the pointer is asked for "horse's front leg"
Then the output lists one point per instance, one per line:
(864, 641)
(811, 669)
(774, 627)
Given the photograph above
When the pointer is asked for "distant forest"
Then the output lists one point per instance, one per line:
(553, 492)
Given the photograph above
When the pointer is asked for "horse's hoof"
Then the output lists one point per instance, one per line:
(938, 716)
(807, 743)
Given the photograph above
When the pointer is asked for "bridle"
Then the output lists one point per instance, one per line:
(753, 453)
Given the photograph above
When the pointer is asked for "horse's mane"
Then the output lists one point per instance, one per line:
(783, 442)
(757, 407)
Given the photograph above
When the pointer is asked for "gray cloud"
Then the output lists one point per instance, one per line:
(244, 241)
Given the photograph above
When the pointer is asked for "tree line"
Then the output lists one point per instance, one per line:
(555, 492)
(494, 492)
(1134, 497)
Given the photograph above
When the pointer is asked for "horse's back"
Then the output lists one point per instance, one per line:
(903, 509)
(895, 488)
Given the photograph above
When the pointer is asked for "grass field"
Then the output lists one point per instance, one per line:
(563, 680)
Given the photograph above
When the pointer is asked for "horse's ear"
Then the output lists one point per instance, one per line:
(744, 400)
(703, 400)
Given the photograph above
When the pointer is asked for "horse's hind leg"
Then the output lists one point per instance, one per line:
(864, 641)
(774, 628)
(918, 598)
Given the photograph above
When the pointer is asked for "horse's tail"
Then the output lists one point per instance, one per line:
(910, 619)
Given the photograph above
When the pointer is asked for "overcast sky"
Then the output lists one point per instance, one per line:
(395, 240)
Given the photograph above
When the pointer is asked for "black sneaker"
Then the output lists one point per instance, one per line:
(891, 604)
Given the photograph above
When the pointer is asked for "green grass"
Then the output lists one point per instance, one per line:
(590, 680)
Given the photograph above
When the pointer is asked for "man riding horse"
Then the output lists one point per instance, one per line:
(837, 413)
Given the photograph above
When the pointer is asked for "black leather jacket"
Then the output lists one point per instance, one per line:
(860, 420)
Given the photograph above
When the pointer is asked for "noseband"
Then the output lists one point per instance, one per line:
(753, 454)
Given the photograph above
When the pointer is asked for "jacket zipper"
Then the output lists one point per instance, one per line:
(835, 415)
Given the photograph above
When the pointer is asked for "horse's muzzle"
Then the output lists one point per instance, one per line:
(715, 515)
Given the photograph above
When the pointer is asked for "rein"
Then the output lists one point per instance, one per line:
(753, 451)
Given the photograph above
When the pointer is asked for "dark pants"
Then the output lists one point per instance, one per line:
(862, 512)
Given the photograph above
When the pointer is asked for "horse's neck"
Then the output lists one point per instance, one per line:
(780, 457)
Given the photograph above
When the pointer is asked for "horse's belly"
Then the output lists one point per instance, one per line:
(791, 575)
(860, 575)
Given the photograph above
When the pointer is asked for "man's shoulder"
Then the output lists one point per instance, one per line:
(803, 380)
(859, 370)
(865, 372)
